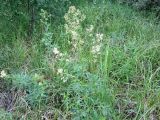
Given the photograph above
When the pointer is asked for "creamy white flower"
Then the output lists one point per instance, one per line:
(72, 9)
(60, 71)
(99, 37)
(67, 60)
(96, 49)
(40, 83)
(60, 54)
(74, 35)
(3, 74)
(64, 80)
(73, 19)
(55, 51)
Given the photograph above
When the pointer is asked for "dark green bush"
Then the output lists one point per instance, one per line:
(143, 4)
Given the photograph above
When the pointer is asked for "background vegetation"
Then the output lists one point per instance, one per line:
(147, 5)
(82, 60)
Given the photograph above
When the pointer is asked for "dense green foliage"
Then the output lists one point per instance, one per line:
(78, 60)
(148, 5)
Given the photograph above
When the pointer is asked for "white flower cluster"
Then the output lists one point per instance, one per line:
(73, 20)
(58, 57)
(44, 16)
(61, 73)
(97, 45)
(56, 53)
(3, 74)
(54, 58)
(96, 41)
(73, 27)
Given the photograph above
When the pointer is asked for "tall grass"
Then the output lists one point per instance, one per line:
(110, 71)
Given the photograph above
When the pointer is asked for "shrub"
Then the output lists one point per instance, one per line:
(144, 4)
